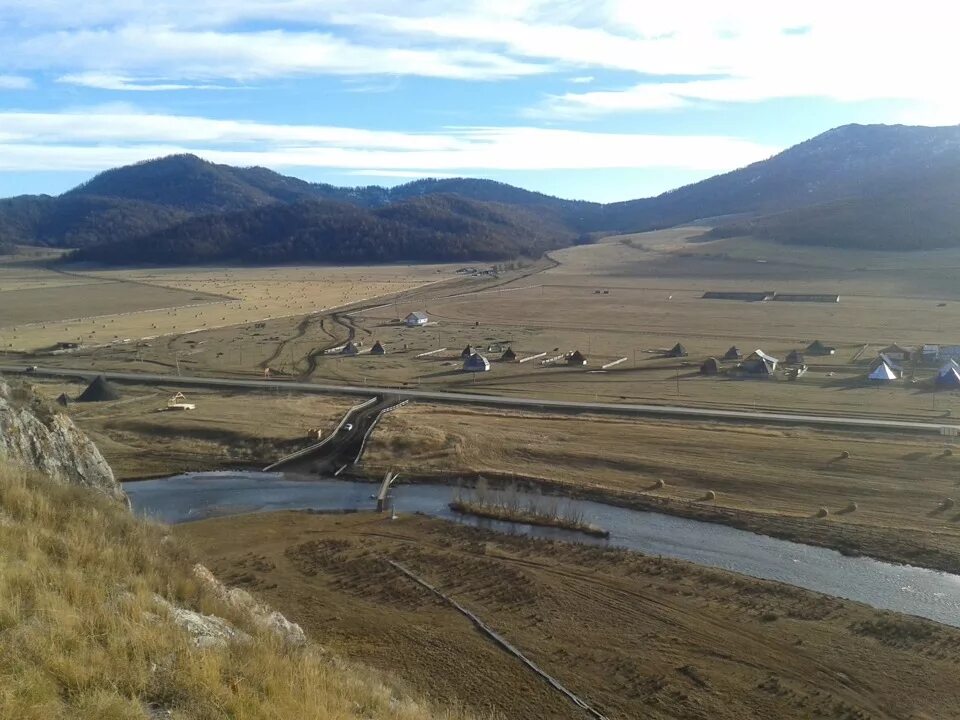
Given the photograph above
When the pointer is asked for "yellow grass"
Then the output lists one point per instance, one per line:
(81, 636)
(186, 298)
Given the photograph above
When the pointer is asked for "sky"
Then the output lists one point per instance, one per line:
(596, 99)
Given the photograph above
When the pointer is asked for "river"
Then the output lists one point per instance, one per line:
(904, 588)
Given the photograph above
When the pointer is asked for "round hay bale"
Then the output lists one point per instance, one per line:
(822, 512)
(845, 454)
(659, 484)
(709, 495)
(947, 452)
(851, 507)
(947, 503)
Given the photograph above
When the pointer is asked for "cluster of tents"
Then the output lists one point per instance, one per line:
(885, 369)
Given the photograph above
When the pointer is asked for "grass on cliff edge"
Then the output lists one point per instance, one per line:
(81, 637)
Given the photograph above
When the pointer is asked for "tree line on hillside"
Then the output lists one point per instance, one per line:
(436, 228)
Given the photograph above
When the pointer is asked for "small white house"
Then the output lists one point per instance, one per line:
(415, 319)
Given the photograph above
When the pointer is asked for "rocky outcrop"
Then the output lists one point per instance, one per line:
(204, 630)
(36, 436)
(263, 615)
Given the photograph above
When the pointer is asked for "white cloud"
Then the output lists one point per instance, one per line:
(133, 51)
(85, 140)
(582, 79)
(740, 51)
(15, 82)
(106, 81)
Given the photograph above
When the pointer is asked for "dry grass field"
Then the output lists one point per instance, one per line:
(626, 297)
(43, 306)
(775, 479)
(634, 636)
(139, 438)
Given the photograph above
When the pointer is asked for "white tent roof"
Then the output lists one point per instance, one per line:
(950, 366)
(763, 356)
(883, 372)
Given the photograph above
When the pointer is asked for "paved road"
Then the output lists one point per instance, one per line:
(676, 412)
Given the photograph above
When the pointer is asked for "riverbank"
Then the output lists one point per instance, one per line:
(906, 547)
(586, 615)
(528, 517)
(767, 480)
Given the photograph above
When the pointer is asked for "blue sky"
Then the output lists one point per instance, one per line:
(597, 99)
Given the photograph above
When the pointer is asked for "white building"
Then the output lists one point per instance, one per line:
(415, 319)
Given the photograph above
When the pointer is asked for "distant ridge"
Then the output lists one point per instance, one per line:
(858, 186)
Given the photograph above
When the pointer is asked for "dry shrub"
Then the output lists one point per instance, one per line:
(82, 637)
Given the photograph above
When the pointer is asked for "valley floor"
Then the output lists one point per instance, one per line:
(634, 636)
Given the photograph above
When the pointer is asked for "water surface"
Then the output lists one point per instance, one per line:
(904, 588)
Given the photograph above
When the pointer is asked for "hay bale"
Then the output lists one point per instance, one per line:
(947, 452)
(709, 495)
(659, 484)
(822, 512)
(851, 507)
(947, 503)
(844, 454)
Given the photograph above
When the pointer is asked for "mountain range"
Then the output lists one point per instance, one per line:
(859, 186)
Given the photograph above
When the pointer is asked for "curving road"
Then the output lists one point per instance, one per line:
(675, 412)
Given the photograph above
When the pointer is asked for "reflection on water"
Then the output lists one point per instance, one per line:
(917, 591)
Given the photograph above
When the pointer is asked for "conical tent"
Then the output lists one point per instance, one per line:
(63, 399)
(467, 352)
(711, 366)
(677, 350)
(576, 358)
(795, 357)
(883, 373)
(508, 355)
(100, 390)
(349, 349)
(733, 354)
(951, 366)
(949, 379)
(378, 349)
(476, 363)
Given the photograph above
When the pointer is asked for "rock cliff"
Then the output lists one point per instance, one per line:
(36, 436)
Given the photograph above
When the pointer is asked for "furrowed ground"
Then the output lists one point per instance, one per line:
(634, 636)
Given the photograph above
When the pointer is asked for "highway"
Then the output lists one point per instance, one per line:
(674, 412)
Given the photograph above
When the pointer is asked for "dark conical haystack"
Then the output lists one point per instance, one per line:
(64, 399)
(100, 390)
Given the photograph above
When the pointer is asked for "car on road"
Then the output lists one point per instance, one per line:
(31, 369)
(347, 428)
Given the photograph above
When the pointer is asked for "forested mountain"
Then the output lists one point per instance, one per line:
(858, 186)
(78, 220)
(434, 228)
(187, 183)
